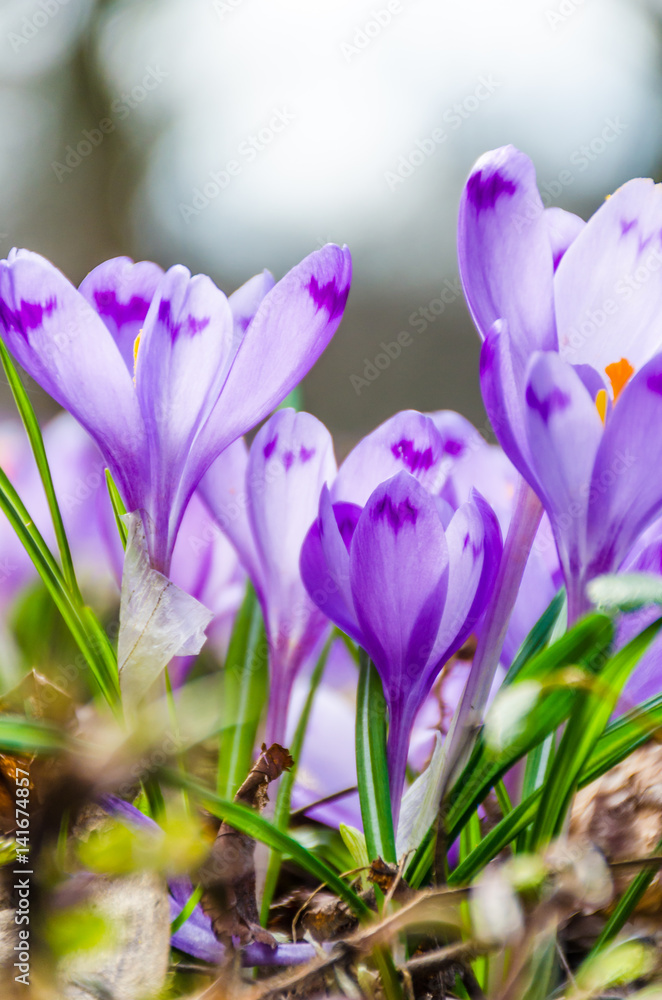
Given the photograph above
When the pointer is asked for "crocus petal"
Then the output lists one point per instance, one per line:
(472, 462)
(290, 460)
(563, 228)
(293, 324)
(502, 380)
(398, 570)
(245, 301)
(398, 561)
(181, 363)
(504, 250)
(195, 937)
(408, 441)
(121, 292)
(320, 773)
(608, 287)
(564, 432)
(223, 488)
(474, 550)
(626, 494)
(63, 344)
(324, 563)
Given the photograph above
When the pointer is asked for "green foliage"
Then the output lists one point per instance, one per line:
(243, 695)
(371, 768)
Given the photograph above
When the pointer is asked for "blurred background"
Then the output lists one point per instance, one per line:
(232, 135)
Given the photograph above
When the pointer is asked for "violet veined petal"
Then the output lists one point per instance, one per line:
(626, 492)
(471, 462)
(608, 287)
(398, 572)
(398, 561)
(502, 383)
(564, 432)
(563, 228)
(65, 347)
(290, 460)
(205, 563)
(292, 326)
(121, 292)
(181, 363)
(504, 250)
(407, 441)
(223, 489)
(474, 551)
(324, 563)
(245, 300)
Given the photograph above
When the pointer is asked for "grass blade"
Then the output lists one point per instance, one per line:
(119, 510)
(33, 431)
(253, 825)
(286, 784)
(371, 767)
(625, 906)
(538, 637)
(22, 735)
(589, 719)
(85, 629)
(245, 684)
(585, 646)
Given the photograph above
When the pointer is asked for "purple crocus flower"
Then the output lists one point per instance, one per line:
(265, 501)
(472, 463)
(570, 371)
(204, 370)
(408, 579)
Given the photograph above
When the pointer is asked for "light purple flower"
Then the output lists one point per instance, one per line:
(408, 579)
(265, 502)
(207, 368)
(571, 314)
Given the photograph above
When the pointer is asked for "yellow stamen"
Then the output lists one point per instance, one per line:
(136, 345)
(619, 373)
(601, 404)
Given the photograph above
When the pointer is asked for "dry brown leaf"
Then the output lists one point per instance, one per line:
(228, 875)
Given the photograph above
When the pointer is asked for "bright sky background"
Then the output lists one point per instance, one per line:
(359, 102)
(357, 111)
(186, 83)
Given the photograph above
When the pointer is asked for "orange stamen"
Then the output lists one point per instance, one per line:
(601, 404)
(619, 373)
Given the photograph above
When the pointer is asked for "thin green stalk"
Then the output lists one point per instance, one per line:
(34, 434)
(503, 798)
(625, 906)
(586, 724)
(186, 910)
(371, 765)
(78, 618)
(118, 508)
(258, 828)
(245, 683)
(286, 784)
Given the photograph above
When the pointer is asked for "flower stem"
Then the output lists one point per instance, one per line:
(521, 533)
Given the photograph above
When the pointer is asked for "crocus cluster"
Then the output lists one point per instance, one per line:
(427, 542)
(571, 366)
